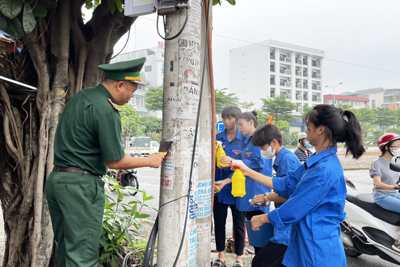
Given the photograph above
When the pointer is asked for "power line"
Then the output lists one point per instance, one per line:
(333, 60)
(338, 61)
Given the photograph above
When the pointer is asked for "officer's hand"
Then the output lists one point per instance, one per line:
(155, 160)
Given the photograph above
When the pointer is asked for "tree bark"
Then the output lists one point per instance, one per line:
(60, 57)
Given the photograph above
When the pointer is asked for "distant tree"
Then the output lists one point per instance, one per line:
(283, 126)
(154, 98)
(386, 117)
(223, 99)
(261, 118)
(130, 121)
(306, 109)
(345, 107)
(366, 115)
(152, 124)
(279, 107)
(246, 105)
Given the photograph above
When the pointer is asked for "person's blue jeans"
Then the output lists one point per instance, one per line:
(388, 202)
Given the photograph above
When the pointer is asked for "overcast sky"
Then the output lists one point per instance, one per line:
(359, 32)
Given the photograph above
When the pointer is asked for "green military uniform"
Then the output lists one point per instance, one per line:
(88, 135)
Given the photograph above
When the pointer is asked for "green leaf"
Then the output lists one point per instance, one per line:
(15, 28)
(49, 3)
(105, 255)
(232, 2)
(28, 20)
(39, 11)
(113, 262)
(216, 2)
(119, 4)
(3, 23)
(89, 4)
(10, 8)
(141, 216)
(111, 6)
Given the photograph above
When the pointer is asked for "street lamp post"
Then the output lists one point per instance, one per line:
(334, 100)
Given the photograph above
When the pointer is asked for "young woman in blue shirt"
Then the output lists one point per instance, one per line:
(232, 140)
(270, 140)
(251, 156)
(317, 191)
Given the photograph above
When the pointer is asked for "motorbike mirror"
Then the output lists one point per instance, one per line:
(395, 164)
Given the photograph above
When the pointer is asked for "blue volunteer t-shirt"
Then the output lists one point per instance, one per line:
(232, 149)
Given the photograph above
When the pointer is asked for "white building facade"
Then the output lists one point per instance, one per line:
(272, 68)
(154, 71)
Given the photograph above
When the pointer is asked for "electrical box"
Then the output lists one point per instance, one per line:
(171, 6)
(135, 8)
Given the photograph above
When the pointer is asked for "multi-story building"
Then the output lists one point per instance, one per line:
(271, 68)
(391, 99)
(375, 96)
(355, 101)
(154, 72)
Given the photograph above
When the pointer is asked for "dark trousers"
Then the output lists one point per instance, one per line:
(76, 204)
(220, 214)
(250, 215)
(271, 255)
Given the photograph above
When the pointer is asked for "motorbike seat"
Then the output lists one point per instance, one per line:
(367, 203)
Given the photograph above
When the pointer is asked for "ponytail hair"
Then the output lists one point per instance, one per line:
(340, 126)
(248, 116)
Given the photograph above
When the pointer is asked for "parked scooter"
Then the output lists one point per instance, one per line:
(368, 228)
(127, 178)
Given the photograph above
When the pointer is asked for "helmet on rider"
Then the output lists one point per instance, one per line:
(386, 139)
(301, 136)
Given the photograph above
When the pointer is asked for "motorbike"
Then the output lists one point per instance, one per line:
(368, 228)
(128, 178)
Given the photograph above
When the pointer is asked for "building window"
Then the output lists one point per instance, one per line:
(147, 68)
(373, 104)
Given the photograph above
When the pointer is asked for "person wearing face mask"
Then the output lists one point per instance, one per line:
(251, 155)
(386, 181)
(270, 140)
(303, 152)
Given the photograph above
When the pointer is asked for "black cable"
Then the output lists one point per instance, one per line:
(180, 31)
(127, 39)
(148, 254)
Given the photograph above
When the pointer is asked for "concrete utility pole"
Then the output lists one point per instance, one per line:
(183, 68)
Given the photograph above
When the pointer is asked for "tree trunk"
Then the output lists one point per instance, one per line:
(59, 57)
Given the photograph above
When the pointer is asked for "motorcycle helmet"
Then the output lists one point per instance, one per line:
(301, 136)
(386, 139)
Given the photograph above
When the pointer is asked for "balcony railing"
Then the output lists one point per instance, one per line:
(305, 97)
(316, 87)
(298, 97)
(305, 86)
(288, 59)
(298, 61)
(305, 62)
(298, 73)
(316, 76)
(272, 69)
(289, 72)
(299, 86)
(288, 84)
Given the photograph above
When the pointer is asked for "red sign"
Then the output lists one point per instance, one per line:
(160, 44)
(269, 120)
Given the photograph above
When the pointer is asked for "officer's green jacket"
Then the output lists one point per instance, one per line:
(89, 132)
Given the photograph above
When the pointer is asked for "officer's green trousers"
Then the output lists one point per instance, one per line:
(76, 203)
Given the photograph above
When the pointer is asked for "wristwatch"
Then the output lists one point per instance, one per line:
(266, 201)
(396, 187)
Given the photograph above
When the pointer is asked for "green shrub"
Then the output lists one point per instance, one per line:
(121, 224)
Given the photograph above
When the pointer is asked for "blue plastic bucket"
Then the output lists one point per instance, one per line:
(261, 237)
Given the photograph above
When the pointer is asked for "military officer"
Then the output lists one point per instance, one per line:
(87, 142)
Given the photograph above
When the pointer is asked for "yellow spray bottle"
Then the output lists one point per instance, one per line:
(220, 153)
(238, 183)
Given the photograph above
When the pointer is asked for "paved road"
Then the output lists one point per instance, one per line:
(149, 181)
